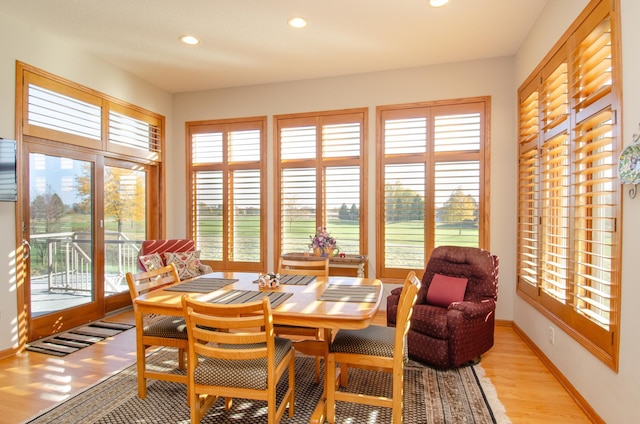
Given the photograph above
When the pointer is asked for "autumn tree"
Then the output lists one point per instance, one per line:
(124, 194)
(460, 209)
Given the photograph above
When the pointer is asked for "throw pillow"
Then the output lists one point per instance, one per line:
(187, 263)
(151, 262)
(445, 290)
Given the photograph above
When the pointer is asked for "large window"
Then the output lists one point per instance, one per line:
(226, 177)
(89, 185)
(568, 193)
(432, 180)
(320, 179)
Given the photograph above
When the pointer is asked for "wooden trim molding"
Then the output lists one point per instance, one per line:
(577, 397)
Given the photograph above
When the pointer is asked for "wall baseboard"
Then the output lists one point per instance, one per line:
(564, 382)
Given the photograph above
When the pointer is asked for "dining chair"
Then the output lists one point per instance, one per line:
(375, 348)
(317, 267)
(233, 353)
(159, 330)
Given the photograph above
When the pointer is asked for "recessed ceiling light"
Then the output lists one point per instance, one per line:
(189, 39)
(438, 3)
(297, 22)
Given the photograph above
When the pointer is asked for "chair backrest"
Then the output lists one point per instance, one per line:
(478, 266)
(304, 267)
(170, 245)
(406, 302)
(210, 325)
(146, 281)
(149, 247)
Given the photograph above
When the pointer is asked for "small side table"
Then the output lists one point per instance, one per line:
(356, 262)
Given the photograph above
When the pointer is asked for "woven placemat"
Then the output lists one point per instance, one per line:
(202, 285)
(349, 293)
(246, 296)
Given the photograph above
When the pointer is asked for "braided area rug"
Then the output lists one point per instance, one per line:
(431, 396)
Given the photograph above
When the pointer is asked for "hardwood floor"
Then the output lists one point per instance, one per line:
(31, 382)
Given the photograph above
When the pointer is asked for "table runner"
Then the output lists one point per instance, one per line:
(245, 296)
(349, 293)
(202, 285)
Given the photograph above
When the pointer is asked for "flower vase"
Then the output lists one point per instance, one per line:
(317, 251)
(328, 251)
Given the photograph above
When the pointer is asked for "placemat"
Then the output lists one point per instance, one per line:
(295, 280)
(245, 296)
(349, 293)
(202, 285)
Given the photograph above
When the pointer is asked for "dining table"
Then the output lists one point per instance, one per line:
(329, 303)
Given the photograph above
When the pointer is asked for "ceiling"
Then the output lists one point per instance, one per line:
(248, 42)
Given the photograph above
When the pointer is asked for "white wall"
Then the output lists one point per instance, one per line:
(481, 78)
(614, 396)
(25, 43)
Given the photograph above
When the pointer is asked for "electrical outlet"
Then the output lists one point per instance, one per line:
(552, 339)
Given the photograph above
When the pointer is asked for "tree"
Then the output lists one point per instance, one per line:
(124, 194)
(460, 209)
(47, 208)
(403, 204)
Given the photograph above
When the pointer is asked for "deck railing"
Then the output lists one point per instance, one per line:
(69, 266)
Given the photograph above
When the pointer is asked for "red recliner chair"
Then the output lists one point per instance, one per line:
(453, 319)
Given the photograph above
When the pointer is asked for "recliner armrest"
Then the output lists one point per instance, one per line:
(472, 310)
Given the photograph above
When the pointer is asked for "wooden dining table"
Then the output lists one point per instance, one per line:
(329, 303)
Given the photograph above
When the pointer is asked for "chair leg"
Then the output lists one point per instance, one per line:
(181, 359)
(398, 382)
(330, 388)
(317, 369)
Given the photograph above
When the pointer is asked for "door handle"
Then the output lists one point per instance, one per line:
(27, 250)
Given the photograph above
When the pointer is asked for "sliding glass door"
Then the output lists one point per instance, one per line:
(84, 220)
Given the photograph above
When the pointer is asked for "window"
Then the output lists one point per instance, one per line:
(228, 191)
(320, 178)
(89, 195)
(568, 193)
(431, 183)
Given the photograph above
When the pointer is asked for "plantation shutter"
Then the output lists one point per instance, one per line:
(228, 192)
(570, 180)
(57, 111)
(431, 192)
(320, 179)
(528, 195)
(596, 237)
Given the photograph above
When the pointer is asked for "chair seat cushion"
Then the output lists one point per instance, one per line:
(169, 327)
(248, 374)
(373, 340)
(431, 321)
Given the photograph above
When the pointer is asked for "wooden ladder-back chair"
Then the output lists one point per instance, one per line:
(160, 331)
(233, 353)
(375, 348)
(317, 267)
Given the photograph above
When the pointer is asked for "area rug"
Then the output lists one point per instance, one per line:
(62, 344)
(456, 396)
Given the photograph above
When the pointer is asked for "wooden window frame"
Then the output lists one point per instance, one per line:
(227, 167)
(590, 123)
(430, 158)
(320, 164)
